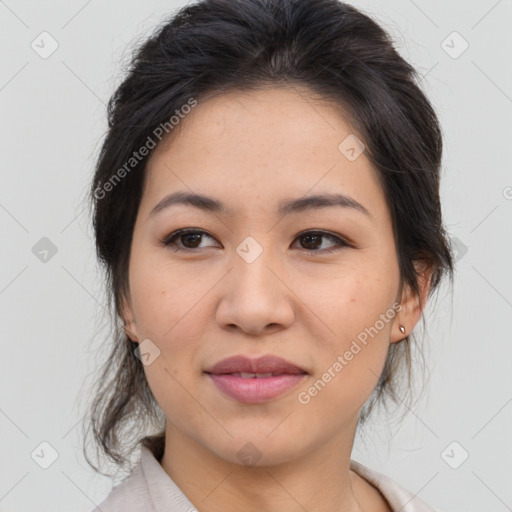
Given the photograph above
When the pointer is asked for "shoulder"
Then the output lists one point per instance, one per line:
(398, 497)
(131, 495)
(147, 489)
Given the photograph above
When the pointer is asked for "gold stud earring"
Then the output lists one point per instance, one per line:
(402, 329)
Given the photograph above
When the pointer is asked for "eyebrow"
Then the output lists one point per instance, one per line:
(286, 207)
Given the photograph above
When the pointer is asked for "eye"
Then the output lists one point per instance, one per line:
(313, 239)
(190, 239)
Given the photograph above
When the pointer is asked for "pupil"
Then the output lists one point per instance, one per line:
(316, 237)
(192, 235)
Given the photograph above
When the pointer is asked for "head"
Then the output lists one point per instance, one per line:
(237, 102)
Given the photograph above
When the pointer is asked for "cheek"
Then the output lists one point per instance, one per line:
(165, 298)
(357, 311)
(169, 312)
(351, 303)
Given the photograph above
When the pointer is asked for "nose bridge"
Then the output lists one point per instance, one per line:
(252, 263)
(255, 297)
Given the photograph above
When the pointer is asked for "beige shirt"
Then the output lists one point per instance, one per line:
(150, 489)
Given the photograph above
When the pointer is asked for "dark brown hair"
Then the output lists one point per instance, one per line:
(214, 46)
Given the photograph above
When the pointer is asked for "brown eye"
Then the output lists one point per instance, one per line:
(312, 241)
(185, 239)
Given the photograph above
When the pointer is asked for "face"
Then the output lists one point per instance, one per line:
(316, 286)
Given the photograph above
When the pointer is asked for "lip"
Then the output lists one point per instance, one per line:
(255, 389)
(262, 364)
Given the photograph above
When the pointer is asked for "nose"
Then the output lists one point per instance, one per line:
(255, 297)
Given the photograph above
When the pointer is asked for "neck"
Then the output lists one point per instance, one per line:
(320, 480)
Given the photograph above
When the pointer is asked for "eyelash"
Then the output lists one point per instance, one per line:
(170, 240)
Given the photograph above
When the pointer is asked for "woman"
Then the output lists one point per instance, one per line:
(266, 206)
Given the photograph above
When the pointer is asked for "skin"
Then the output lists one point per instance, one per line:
(252, 150)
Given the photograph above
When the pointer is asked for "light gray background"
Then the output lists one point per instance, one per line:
(52, 121)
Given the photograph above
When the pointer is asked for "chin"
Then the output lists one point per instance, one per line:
(257, 449)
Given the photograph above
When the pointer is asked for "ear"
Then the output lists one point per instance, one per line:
(410, 313)
(130, 326)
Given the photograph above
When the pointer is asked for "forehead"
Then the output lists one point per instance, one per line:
(260, 146)
(275, 116)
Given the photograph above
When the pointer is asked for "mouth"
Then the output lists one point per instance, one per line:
(263, 366)
(258, 380)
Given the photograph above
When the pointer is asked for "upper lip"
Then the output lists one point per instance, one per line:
(263, 364)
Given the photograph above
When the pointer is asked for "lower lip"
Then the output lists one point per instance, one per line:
(254, 390)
